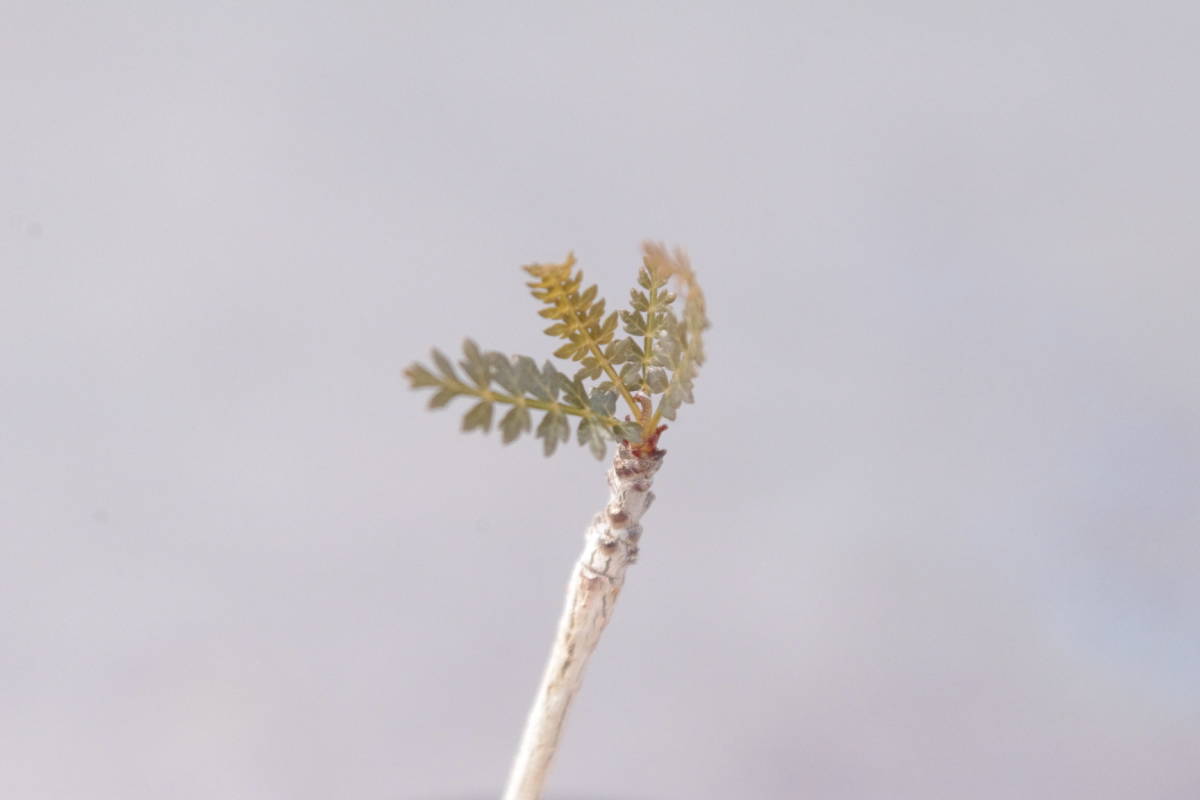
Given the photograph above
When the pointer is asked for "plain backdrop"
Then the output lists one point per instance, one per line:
(931, 529)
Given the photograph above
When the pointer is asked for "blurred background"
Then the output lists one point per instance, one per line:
(929, 531)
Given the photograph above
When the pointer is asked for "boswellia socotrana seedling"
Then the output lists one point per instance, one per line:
(660, 356)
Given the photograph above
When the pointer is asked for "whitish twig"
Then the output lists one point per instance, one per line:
(610, 546)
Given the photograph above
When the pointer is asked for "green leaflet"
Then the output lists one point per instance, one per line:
(604, 403)
(553, 429)
(480, 416)
(441, 397)
(515, 422)
(655, 380)
(628, 431)
(444, 366)
(593, 433)
(660, 355)
(474, 364)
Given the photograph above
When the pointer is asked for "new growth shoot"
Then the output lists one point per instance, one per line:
(659, 356)
(649, 371)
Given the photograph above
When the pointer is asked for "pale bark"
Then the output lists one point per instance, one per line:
(610, 546)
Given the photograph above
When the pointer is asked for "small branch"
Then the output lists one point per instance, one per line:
(610, 546)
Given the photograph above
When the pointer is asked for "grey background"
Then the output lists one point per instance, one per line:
(930, 531)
